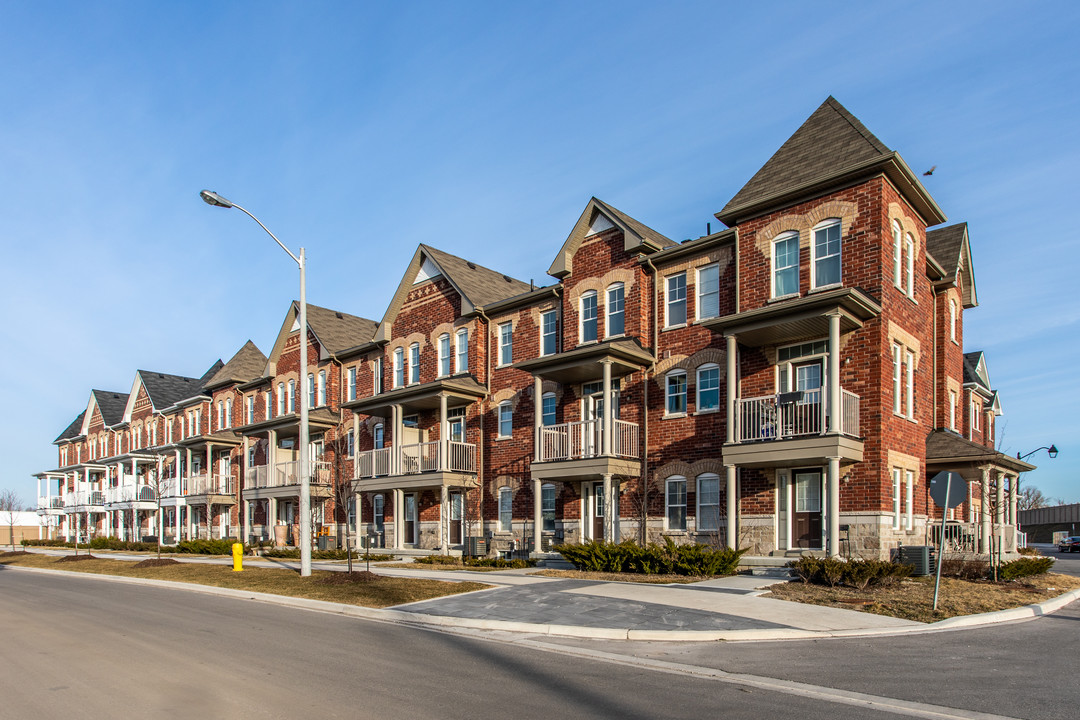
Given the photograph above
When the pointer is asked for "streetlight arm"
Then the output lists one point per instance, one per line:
(280, 244)
(1052, 451)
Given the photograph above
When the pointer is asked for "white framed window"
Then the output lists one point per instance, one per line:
(910, 395)
(378, 513)
(708, 502)
(292, 396)
(549, 332)
(506, 509)
(675, 307)
(896, 493)
(266, 404)
(399, 367)
(587, 329)
(675, 503)
(616, 310)
(376, 376)
(378, 437)
(547, 409)
(952, 409)
(414, 363)
(708, 291)
(989, 425)
(952, 319)
(506, 419)
(506, 343)
(311, 390)
(350, 384)
(321, 390)
(228, 412)
(975, 412)
(547, 508)
(909, 500)
(249, 409)
(785, 264)
(220, 414)
(350, 444)
(444, 354)
(897, 379)
(675, 391)
(898, 255)
(909, 265)
(825, 264)
(462, 347)
(708, 387)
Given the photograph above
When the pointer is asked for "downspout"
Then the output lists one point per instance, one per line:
(483, 414)
(647, 375)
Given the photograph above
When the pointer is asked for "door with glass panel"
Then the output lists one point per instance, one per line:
(801, 397)
(410, 524)
(456, 517)
(596, 511)
(806, 519)
(594, 410)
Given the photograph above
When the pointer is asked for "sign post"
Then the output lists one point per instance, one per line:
(941, 490)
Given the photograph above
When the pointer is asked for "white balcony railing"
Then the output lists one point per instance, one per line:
(54, 502)
(84, 499)
(776, 417)
(130, 493)
(207, 484)
(416, 458)
(584, 439)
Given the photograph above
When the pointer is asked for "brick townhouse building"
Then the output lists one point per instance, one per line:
(788, 384)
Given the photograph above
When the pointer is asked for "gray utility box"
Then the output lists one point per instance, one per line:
(477, 547)
(922, 557)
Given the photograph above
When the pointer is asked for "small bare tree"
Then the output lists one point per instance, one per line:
(341, 485)
(10, 506)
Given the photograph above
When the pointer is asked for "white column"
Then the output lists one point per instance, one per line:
(246, 531)
(608, 509)
(272, 518)
(538, 418)
(444, 442)
(399, 518)
(834, 506)
(538, 519)
(999, 511)
(1013, 499)
(984, 535)
(608, 422)
(444, 529)
(271, 459)
(123, 530)
(176, 519)
(732, 373)
(834, 373)
(732, 508)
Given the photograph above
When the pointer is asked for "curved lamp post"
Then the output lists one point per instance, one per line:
(1052, 451)
(212, 198)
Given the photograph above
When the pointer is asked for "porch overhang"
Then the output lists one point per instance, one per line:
(459, 390)
(320, 419)
(222, 437)
(587, 469)
(947, 450)
(811, 450)
(211, 499)
(798, 319)
(281, 491)
(585, 363)
(423, 481)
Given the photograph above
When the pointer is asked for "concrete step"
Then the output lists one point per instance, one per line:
(551, 561)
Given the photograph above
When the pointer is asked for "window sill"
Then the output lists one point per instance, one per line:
(707, 411)
(680, 326)
(825, 288)
(584, 343)
(782, 298)
(673, 416)
(503, 437)
(676, 533)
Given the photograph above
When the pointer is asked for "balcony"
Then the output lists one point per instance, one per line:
(417, 465)
(584, 439)
(791, 415)
(85, 500)
(283, 479)
(207, 484)
(125, 494)
(52, 505)
(792, 428)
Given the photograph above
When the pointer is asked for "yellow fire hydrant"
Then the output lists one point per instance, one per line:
(238, 557)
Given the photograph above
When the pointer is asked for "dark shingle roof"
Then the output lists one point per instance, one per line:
(111, 405)
(480, 285)
(247, 364)
(639, 227)
(73, 429)
(166, 390)
(971, 369)
(337, 330)
(829, 142)
(945, 245)
(947, 445)
(211, 372)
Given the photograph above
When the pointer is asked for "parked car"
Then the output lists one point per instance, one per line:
(1069, 544)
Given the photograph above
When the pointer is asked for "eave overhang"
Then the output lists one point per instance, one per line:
(459, 390)
(585, 363)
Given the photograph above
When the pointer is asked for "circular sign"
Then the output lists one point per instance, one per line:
(952, 484)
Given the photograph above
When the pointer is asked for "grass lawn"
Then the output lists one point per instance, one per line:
(913, 598)
(620, 577)
(364, 589)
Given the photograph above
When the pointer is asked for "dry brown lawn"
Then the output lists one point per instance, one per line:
(426, 566)
(378, 593)
(913, 598)
(619, 577)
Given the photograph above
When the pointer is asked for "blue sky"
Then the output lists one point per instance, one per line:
(360, 130)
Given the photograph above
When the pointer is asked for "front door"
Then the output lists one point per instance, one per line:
(597, 511)
(455, 518)
(409, 536)
(806, 519)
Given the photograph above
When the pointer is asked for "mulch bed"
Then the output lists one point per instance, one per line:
(344, 578)
(155, 562)
(73, 558)
(13, 553)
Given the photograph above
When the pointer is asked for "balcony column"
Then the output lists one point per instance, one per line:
(730, 523)
(999, 511)
(984, 520)
(538, 515)
(834, 506)
(607, 423)
(444, 444)
(209, 478)
(732, 377)
(835, 408)
(444, 529)
(609, 508)
(176, 519)
(272, 518)
(538, 417)
(399, 517)
(135, 475)
(395, 454)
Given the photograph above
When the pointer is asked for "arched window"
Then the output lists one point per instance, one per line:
(825, 265)
(616, 311)
(228, 413)
(444, 354)
(506, 509)
(785, 264)
(675, 503)
(898, 254)
(675, 392)
(708, 502)
(588, 316)
(708, 387)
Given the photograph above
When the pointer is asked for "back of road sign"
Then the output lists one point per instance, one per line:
(957, 489)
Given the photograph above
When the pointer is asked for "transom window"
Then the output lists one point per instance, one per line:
(588, 316)
(549, 330)
(786, 265)
(827, 254)
(676, 300)
(708, 291)
(616, 310)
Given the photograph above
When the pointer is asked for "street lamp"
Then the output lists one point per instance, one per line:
(1052, 451)
(212, 198)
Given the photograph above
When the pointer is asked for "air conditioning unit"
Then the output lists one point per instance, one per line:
(922, 557)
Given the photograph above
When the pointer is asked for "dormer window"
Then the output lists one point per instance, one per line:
(826, 251)
(785, 265)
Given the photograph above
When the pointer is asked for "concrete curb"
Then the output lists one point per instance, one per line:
(1026, 612)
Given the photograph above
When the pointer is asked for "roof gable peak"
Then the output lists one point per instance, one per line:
(598, 217)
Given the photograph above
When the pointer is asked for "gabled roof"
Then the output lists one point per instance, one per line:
(72, 430)
(946, 446)
(975, 371)
(597, 217)
(477, 285)
(165, 390)
(110, 404)
(831, 147)
(247, 364)
(336, 331)
(951, 248)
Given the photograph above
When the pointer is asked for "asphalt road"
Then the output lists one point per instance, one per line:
(82, 647)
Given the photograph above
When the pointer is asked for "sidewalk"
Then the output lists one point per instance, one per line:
(729, 608)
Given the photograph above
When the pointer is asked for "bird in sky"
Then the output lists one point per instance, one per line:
(930, 171)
